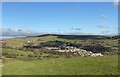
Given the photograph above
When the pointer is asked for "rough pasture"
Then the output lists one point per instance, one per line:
(63, 66)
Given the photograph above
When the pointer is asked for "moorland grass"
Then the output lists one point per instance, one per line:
(106, 65)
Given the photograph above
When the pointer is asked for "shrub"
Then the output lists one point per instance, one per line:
(30, 55)
(35, 56)
(21, 54)
(11, 56)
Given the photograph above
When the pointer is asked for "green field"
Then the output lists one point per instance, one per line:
(30, 62)
(106, 65)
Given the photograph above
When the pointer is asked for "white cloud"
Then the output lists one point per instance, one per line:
(80, 33)
(116, 3)
(76, 29)
(108, 33)
(103, 16)
(18, 32)
(104, 32)
(102, 27)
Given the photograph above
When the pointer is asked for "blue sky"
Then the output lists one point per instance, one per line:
(59, 17)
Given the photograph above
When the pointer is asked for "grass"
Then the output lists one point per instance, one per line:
(19, 42)
(19, 52)
(63, 66)
(22, 55)
(106, 65)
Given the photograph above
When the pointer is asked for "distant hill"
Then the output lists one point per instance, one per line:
(77, 36)
(116, 37)
(75, 39)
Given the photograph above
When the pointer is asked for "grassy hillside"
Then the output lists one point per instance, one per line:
(26, 55)
(33, 61)
(63, 66)
(19, 42)
(83, 39)
(92, 43)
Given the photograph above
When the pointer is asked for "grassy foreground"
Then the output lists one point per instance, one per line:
(63, 66)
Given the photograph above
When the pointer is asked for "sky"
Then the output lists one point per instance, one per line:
(74, 18)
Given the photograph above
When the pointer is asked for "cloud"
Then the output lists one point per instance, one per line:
(116, 3)
(102, 27)
(105, 32)
(80, 33)
(18, 32)
(108, 33)
(103, 16)
(72, 29)
(76, 29)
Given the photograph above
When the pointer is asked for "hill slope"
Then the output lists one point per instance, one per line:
(76, 39)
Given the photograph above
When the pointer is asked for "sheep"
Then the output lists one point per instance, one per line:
(96, 54)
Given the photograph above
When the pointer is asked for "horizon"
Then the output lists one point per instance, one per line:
(7, 37)
(67, 18)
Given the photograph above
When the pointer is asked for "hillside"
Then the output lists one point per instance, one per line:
(106, 65)
(77, 36)
(80, 40)
(18, 42)
(38, 55)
